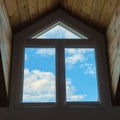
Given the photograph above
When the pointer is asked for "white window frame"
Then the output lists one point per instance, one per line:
(26, 38)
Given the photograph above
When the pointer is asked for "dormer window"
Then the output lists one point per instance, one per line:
(60, 64)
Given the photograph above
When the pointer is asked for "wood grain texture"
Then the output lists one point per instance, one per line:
(42, 6)
(33, 9)
(86, 9)
(113, 35)
(5, 43)
(13, 13)
(51, 4)
(68, 5)
(97, 13)
(76, 7)
(96, 10)
(107, 12)
(23, 11)
(116, 70)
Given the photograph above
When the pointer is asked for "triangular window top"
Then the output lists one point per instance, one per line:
(60, 31)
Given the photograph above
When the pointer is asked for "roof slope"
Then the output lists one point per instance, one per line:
(96, 13)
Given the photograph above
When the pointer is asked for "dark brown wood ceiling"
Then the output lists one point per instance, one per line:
(96, 13)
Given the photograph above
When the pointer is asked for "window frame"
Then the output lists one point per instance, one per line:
(25, 39)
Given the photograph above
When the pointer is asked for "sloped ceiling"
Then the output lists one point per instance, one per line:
(96, 13)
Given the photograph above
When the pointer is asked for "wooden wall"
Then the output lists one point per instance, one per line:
(5, 46)
(113, 36)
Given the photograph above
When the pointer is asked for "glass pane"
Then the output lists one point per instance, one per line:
(60, 30)
(81, 77)
(39, 75)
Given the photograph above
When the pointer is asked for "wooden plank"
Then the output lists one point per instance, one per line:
(113, 35)
(116, 71)
(114, 24)
(7, 47)
(33, 9)
(68, 5)
(5, 44)
(5, 21)
(13, 13)
(111, 30)
(107, 12)
(42, 5)
(23, 11)
(113, 42)
(112, 49)
(86, 9)
(76, 7)
(51, 4)
(96, 10)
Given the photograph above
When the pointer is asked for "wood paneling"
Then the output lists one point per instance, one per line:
(13, 13)
(107, 12)
(68, 5)
(113, 35)
(50, 4)
(5, 45)
(76, 8)
(97, 13)
(33, 9)
(96, 10)
(23, 11)
(42, 5)
(86, 9)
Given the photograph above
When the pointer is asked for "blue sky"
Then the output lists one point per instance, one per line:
(40, 73)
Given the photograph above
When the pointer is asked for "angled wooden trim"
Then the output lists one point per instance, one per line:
(3, 93)
(62, 16)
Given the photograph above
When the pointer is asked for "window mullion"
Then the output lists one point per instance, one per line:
(60, 73)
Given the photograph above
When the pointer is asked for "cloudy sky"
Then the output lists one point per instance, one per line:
(40, 72)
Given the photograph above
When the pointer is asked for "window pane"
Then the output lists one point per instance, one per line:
(60, 30)
(81, 77)
(39, 75)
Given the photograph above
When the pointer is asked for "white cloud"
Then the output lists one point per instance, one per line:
(39, 86)
(71, 60)
(45, 51)
(76, 55)
(90, 69)
(70, 90)
(77, 97)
